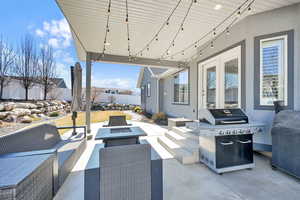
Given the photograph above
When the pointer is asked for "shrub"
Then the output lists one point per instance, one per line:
(137, 109)
(158, 117)
(54, 114)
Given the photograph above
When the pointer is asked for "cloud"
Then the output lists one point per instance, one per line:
(114, 83)
(53, 42)
(57, 31)
(39, 32)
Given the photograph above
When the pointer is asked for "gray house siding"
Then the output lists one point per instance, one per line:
(151, 102)
(279, 20)
(178, 110)
(245, 32)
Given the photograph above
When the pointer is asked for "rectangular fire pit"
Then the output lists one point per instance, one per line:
(115, 136)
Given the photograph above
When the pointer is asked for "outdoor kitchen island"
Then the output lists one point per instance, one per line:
(226, 139)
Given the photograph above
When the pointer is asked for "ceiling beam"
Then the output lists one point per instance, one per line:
(140, 61)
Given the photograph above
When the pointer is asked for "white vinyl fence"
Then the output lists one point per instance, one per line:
(15, 91)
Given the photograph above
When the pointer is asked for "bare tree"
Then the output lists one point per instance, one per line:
(95, 94)
(27, 64)
(7, 58)
(47, 69)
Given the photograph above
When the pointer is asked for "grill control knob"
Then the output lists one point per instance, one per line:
(220, 133)
(228, 132)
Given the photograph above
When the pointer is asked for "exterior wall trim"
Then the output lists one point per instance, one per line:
(290, 34)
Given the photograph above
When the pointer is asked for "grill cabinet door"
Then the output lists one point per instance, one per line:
(245, 149)
(226, 151)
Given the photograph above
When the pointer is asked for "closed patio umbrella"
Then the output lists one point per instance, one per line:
(76, 73)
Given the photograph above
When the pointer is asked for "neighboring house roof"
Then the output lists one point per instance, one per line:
(156, 72)
(59, 82)
(140, 78)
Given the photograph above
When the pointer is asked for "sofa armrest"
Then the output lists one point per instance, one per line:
(70, 127)
(29, 153)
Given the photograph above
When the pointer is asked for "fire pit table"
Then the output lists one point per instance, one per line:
(116, 136)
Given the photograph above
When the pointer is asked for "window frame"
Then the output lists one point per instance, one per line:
(288, 37)
(173, 82)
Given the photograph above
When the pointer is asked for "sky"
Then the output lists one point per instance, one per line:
(44, 21)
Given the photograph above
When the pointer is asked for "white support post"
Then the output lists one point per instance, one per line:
(88, 92)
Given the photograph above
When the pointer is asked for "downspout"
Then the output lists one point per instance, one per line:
(158, 92)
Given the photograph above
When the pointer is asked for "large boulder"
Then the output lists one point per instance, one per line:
(10, 118)
(25, 105)
(19, 112)
(39, 104)
(25, 119)
(1, 107)
(9, 106)
(3, 115)
(35, 111)
(41, 115)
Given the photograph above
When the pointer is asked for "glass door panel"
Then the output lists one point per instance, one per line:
(231, 79)
(211, 83)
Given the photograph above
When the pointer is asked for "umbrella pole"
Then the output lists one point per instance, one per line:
(74, 116)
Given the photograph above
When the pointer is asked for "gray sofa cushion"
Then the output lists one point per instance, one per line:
(40, 137)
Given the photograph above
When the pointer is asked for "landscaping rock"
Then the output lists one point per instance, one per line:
(1, 123)
(3, 115)
(39, 104)
(19, 112)
(2, 107)
(25, 119)
(35, 111)
(41, 115)
(10, 118)
(9, 106)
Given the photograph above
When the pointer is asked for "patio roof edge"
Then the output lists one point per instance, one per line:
(148, 62)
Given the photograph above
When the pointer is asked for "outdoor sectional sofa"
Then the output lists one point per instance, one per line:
(41, 140)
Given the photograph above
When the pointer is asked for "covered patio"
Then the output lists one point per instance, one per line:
(177, 35)
(195, 181)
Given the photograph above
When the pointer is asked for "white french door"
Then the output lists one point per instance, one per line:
(220, 81)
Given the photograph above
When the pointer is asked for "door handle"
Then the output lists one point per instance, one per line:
(226, 143)
(244, 142)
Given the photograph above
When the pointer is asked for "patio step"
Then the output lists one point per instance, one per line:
(186, 142)
(180, 153)
(185, 132)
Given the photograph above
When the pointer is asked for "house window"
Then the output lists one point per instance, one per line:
(273, 70)
(148, 90)
(181, 87)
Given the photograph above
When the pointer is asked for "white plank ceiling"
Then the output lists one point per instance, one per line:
(88, 21)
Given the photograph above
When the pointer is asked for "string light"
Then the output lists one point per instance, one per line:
(239, 11)
(195, 45)
(147, 48)
(105, 43)
(165, 23)
(227, 31)
(214, 33)
(128, 35)
(195, 1)
(181, 28)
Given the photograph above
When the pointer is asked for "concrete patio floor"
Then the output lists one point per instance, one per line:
(195, 182)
